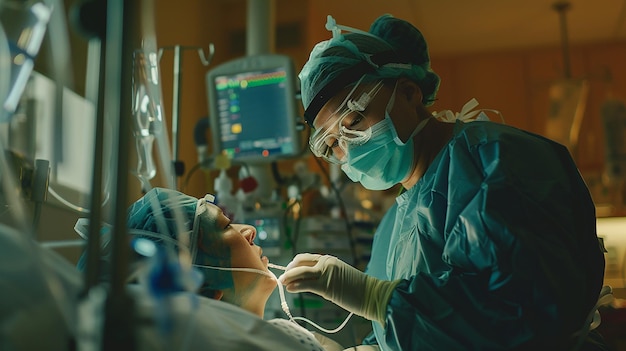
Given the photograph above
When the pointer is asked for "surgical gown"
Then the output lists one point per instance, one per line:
(496, 247)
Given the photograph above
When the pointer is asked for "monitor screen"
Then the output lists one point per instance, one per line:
(252, 108)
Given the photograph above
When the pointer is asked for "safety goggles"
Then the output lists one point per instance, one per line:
(347, 126)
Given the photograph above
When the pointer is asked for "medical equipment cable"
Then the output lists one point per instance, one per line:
(275, 266)
(283, 303)
(293, 319)
(72, 206)
(205, 164)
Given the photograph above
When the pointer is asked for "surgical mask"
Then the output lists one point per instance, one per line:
(384, 160)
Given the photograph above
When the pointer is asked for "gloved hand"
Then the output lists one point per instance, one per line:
(327, 343)
(339, 283)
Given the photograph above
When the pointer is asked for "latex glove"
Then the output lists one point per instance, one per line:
(327, 343)
(340, 283)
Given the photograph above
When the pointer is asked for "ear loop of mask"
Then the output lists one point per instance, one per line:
(283, 300)
(467, 114)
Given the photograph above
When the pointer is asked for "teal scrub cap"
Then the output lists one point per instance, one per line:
(164, 214)
(392, 48)
(163, 211)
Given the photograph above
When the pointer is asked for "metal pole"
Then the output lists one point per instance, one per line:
(121, 40)
(95, 93)
(561, 8)
(88, 20)
(178, 72)
(260, 29)
(178, 166)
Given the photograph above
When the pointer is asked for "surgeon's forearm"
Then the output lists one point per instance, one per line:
(377, 295)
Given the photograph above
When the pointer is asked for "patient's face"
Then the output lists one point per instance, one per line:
(233, 244)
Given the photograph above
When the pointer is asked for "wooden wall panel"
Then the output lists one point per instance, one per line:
(606, 72)
(514, 82)
(198, 23)
(517, 83)
(496, 81)
(447, 94)
(190, 24)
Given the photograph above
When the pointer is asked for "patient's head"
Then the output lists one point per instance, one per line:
(212, 241)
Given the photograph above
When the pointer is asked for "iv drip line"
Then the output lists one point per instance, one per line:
(275, 266)
(283, 300)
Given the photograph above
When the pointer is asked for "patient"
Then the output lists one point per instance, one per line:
(213, 241)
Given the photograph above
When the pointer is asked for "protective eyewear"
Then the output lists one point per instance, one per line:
(347, 126)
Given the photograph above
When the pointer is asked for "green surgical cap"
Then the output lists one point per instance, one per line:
(163, 211)
(169, 213)
(393, 48)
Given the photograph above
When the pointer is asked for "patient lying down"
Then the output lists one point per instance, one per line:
(213, 242)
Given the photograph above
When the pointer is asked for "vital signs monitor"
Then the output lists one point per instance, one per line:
(252, 108)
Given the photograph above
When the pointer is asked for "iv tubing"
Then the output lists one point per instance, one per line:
(329, 331)
(275, 266)
(283, 301)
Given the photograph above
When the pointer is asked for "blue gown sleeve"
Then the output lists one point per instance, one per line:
(524, 267)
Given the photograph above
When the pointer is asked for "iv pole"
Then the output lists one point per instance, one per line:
(562, 7)
(121, 39)
(570, 94)
(179, 167)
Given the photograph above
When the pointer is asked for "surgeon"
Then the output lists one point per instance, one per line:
(491, 245)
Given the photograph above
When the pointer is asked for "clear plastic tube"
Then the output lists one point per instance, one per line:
(72, 206)
(25, 26)
(275, 266)
(148, 119)
(283, 300)
(329, 331)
